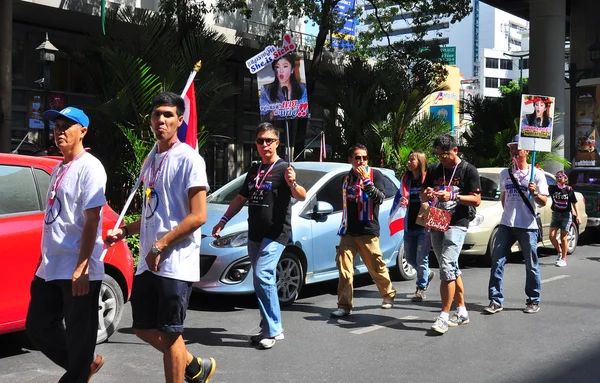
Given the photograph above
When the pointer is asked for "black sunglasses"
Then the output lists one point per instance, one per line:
(268, 141)
(358, 158)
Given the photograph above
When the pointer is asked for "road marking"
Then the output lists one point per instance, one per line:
(382, 325)
(555, 278)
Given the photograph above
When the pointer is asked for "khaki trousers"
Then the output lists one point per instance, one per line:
(367, 246)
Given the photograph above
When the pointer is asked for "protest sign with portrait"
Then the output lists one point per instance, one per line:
(535, 132)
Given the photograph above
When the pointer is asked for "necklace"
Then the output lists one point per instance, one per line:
(150, 192)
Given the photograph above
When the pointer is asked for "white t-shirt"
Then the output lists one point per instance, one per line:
(516, 213)
(82, 187)
(182, 168)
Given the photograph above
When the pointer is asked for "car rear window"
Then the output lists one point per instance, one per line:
(18, 191)
(584, 177)
(490, 186)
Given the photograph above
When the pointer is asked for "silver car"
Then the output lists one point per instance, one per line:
(309, 257)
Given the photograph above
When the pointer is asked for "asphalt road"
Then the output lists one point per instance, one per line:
(561, 343)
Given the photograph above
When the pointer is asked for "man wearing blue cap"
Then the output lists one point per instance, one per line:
(518, 223)
(68, 279)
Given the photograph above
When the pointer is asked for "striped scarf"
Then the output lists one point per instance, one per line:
(365, 205)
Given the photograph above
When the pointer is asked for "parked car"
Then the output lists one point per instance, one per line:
(24, 182)
(482, 230)
(587, 182)
(310, 256)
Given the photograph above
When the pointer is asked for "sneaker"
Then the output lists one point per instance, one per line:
(440, 325)
(493, 308)
(96, 366)
(267, 343)
(531, 308)
(561, 263)
(258, 337)
(207, 369)
(419, 296)
(456, 320)
(340, 313)
(430, 277)
(387, 303)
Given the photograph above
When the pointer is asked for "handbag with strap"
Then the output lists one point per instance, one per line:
(538, 219)
(433, 218)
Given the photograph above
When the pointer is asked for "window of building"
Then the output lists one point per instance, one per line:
(491, 82)
(506, 64)
(491, 63)
(250, 94)
(525, 64)
(505, 81)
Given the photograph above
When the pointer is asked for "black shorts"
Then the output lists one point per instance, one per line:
(159, 303)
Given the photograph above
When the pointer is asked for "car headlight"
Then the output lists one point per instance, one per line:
(232, 240)
(477, 221)
(237, 272)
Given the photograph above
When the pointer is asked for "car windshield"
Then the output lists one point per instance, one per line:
(584, 177)
(490, 186)
(225, 194)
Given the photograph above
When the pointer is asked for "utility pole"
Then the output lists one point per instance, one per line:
(6, 7)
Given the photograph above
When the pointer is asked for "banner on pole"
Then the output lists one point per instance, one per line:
(188, 131)
(535, 131)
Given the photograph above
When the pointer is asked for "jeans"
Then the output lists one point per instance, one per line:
(367, 246)
(417, 243)
(264, 256)
(71, 346)
(447, 247)
(505, 238)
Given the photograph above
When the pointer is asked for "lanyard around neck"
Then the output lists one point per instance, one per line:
(452, 177)
(59, 178)
(154, 173)
(256, 183)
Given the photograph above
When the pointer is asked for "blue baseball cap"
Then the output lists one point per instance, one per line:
(69, 112)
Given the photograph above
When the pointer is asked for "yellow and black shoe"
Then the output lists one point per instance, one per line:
(207, 368)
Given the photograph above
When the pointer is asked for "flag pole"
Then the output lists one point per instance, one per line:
(191, 77)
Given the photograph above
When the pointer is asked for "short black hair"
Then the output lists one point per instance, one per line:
(357, 147)
(267, 127)
(169, 99)
(445, 142)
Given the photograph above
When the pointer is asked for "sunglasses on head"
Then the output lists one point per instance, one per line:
(267, 141)
(358, 158)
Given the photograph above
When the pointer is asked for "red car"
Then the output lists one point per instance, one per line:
(24, 183)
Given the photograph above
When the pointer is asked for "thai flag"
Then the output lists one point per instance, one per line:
(398, 212)
(188, 131)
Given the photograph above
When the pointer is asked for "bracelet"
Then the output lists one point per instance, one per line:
(224, 219)
(125, 231)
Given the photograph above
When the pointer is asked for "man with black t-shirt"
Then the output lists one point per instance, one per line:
(268, 189)
(362, 195)
(452, 185)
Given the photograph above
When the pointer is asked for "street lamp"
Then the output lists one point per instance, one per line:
(575, 75)
(47, 55)
(521, 56)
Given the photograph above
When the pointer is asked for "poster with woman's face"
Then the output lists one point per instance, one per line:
(535, 132)
(282, 89)
(587, 120)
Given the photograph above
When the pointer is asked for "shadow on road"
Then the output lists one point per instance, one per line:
(15, 343)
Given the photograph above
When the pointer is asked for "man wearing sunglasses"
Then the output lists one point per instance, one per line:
(268, 189)
(67, 281)
(452, 185)
(362, 194)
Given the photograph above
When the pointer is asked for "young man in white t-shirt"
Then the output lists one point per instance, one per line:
(175, 186)
(518, 224)
(68, 279)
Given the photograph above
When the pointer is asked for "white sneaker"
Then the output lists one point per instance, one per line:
(561, 263)
(340, 313)
(258, 337)
(267, 343)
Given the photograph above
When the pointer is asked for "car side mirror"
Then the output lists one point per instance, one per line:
(323, 208)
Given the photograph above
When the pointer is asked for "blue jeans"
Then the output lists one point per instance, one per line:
(264, 256)
(505, 238)
(416, 247)
(447, 247)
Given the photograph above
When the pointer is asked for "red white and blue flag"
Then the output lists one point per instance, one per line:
(188, 131)
(398, 211)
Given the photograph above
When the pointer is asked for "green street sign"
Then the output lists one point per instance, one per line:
(449, 54)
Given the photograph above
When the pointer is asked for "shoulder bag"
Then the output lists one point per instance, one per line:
(538, 219)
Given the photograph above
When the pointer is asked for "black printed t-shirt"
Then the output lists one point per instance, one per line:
(465, 181)
(562, 198)
(414, 203)
(269, 205)
(356, 227)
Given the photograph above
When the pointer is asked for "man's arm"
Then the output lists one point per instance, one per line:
(234, 207)
(80, 280)
(374, 187)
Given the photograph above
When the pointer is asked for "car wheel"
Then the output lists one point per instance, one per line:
(572, 238)
(402, 271)
(290, 278)
(486, 260)
(110, 308)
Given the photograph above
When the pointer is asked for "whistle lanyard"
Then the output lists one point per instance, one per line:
(451, 178)
(60, 177)
(154, 173)
(256, 183)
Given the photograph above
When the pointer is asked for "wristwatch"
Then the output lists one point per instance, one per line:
(457, 198)
(155, 250)
(294, 185)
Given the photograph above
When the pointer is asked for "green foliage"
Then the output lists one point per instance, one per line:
(133, 241)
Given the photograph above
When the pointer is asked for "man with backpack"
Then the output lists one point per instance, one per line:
(452, 185)
(518, 223)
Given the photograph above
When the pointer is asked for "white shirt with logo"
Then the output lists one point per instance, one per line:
(81, 188)
(516, 213)
(182, 168)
